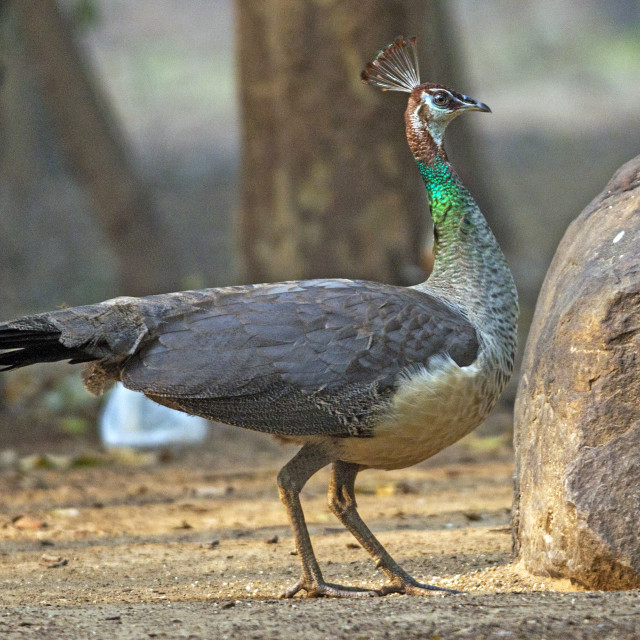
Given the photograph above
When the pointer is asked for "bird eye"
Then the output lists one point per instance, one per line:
(441, 99)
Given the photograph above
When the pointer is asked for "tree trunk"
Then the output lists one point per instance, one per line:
(95, 150)
(329, 186)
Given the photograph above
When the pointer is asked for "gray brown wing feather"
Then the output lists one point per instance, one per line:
(306, 357)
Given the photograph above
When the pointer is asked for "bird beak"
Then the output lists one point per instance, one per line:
(481, 106)
(470, 104)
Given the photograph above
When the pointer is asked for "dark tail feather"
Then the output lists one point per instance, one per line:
(25, 346)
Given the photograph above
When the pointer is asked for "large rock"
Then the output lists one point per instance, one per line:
(577, 415)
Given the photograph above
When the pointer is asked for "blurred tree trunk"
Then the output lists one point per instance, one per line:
(329, 185)
(95, 150)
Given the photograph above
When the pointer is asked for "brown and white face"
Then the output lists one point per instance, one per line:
(432, 107)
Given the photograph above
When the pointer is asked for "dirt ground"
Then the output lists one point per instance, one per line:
(198, 546)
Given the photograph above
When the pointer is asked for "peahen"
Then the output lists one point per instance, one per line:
(360, 374)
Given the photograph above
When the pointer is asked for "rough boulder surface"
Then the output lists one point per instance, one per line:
(577, 416)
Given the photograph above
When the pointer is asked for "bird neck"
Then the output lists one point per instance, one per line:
(469, 268)
(453, 210)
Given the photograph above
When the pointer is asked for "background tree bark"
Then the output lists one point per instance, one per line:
(329, 187)
(96, 151)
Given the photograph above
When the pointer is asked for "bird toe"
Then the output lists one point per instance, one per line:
(414, 588)
(317, 589)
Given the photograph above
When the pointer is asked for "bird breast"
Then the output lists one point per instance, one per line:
(431, 409)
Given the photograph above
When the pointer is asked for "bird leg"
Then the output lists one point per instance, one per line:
(291, 480)
(342, 503)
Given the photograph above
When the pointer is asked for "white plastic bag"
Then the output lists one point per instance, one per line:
(129, 419)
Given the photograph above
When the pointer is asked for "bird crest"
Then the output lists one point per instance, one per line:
(395, 68)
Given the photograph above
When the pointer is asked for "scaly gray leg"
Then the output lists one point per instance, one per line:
(342, 503)
(291, 480)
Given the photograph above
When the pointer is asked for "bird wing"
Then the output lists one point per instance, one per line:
(312, 336)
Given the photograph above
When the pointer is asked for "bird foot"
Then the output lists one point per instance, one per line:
(412, 587)
(317, 589)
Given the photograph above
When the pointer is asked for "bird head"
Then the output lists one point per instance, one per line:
(431, 106)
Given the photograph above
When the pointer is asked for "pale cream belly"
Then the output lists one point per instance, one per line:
(430, 411)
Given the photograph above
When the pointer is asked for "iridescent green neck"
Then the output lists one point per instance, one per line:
(469, 271)
(452, 207)
(447, 194)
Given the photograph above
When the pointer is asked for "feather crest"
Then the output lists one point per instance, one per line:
(395, 68)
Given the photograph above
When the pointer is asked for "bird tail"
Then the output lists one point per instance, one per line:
(34, 339)
(108, 331)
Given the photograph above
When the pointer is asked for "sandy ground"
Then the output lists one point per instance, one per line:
(198, 547)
